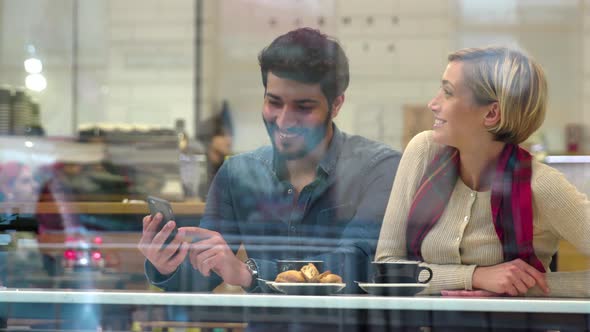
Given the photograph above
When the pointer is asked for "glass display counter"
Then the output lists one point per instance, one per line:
(120, 309)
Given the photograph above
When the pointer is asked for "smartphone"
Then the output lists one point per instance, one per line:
(163, 206)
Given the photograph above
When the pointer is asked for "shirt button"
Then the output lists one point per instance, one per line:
(472, 194)
(466, 218)
(289, 191)
(293, 228)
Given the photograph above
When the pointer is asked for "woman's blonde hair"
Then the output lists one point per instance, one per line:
(514, 80)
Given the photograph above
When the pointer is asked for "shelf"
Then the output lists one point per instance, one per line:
(567, 159)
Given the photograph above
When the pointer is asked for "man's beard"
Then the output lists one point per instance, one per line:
(312, 137)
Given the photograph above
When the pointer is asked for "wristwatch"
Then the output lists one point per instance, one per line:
(253, 269)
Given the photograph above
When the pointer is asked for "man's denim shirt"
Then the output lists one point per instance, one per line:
(336, 218)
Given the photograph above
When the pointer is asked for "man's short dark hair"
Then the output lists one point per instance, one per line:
(308, 56)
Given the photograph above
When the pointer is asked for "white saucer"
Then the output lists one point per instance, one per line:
(392, 289)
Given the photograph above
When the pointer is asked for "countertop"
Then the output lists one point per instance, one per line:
(430, 303)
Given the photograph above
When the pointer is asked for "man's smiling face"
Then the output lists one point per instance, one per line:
(296, 115)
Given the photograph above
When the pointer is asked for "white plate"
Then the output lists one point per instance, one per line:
(307, 288)
(267, 287)
(392, 289)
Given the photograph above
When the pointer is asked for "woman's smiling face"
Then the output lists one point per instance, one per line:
(458, 119)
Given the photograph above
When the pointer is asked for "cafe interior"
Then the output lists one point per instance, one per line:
(106, 102)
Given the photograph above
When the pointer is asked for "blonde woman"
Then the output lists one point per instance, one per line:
(473, 205)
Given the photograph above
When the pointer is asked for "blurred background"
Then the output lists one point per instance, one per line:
(149, 62)
(103, 102)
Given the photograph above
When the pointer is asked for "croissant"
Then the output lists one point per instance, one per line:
(323, 274)
(308, 273)
(331, 278)
(290, 276)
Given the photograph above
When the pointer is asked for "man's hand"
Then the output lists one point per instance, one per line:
(212, 253)
(165, 260)
(513, 278)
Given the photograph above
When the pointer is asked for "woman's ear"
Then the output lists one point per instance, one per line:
(493, 115)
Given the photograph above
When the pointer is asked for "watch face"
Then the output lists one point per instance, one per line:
(251, 264)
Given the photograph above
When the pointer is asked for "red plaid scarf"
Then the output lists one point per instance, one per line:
(511, 200)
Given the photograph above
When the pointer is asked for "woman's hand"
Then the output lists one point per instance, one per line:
(513, 278)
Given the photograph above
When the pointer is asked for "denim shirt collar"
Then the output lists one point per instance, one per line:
(327, 163)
